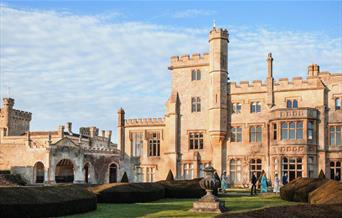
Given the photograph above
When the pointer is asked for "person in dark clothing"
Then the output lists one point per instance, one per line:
(337, 176)
(285, 179)
(254, 181)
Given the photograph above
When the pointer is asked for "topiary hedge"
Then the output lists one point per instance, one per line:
(128, 192)
(48, 201)
(183, 188)
(328, 193)
(299, 189)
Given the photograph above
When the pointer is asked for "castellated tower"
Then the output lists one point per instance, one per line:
(218, 73)
(121, 130)
(13, 122)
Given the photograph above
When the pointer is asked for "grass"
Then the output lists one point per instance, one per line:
(180, 207)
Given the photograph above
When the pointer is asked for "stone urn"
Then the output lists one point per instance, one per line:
(209, 202)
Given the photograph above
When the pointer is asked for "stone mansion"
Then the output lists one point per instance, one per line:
(276, 126)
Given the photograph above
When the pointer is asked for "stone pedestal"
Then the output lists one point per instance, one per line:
(211, 207)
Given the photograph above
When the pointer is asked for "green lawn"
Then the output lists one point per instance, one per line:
(180, 207)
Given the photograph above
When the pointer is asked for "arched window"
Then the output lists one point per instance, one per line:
(295, 103)
(193, 75)
(198, 75)
(337, 103)
(235, 171)
(113, 173)
(335, 170)
(255, 165)
(64, 171)
(289, 104)
(39, 172)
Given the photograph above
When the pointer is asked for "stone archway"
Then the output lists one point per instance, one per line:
(64, 171)
(113, 173)
(38, 172)
(89, 173)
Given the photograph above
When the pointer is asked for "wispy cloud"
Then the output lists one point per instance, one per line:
(65, 67)
(191, 13)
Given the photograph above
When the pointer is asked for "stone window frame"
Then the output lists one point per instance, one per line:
(153, 144)
(311, 166)
(311, 130)
(292, 104)
(255, 164)
(198, 139)
(289, 130)
(255, 107)
(235, 134)
(150, 173)
(337, 103)
(188, 170)
(233, 170)
(195, 104)
(297, 170)
(335, 134)
(139, 174)
(335, 168)
(196, 75)
(236, 108)
(131, 135)
(255, 133)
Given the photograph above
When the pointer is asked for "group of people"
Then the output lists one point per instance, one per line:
(264, 183)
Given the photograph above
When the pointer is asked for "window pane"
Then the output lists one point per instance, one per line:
(299, 134)
(198, 75)
(332, 135)
(193, 75)
(238, 108)
(289, 104)
(338, 164)
(337, 103)
(295, 104)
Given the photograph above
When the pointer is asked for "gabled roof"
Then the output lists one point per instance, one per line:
(65, 142)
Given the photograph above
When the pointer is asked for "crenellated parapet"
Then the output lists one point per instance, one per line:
(195, 60)
(21, 115)
(282, 84)
(145, 122)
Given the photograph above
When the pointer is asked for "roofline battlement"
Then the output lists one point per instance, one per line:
(22, 114)
(186, 60)
(145, 121)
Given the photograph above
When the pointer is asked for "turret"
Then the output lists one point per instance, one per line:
(270, 81)
(8, 104)
(121, 131)
(313, 70)
(218, 71)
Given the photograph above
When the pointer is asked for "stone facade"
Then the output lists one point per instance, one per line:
(55, 156)
(291, 126)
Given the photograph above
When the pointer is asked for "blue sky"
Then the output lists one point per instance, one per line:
(80, 60)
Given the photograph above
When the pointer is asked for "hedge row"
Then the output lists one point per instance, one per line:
(144, 192)
(48, 201)
(328, 193)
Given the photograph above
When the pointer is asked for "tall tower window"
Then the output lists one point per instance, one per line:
(137, 144)
(154, 145)
(337, 103)
(195, 75)
(236, 134)
(310, 130)
(335, 135)
(255, 107)
(275, 131)
(195, 104)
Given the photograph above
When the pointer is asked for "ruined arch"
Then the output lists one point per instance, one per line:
(65, 171)
(89, 173)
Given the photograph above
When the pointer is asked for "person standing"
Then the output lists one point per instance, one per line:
(285, 179)
(254, 181)
(264, 183)
(224, 184)
(337, 176)
(276, 187)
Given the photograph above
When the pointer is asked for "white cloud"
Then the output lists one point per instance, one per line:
(191, 13)
(64, 67)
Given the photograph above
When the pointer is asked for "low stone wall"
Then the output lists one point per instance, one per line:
(48, 201)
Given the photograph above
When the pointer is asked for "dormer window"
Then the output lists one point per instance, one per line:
(292, 103)
(195, 75)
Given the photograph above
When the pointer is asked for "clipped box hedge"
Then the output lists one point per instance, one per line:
(328, 193)
(298, 190)
(47, 201)
(128, 192)
(183, 188)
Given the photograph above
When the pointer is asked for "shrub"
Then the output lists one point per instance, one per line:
(183, 188)
(128, 192)
(48, 201)
(299, 189)
(124, 178)
(170, 176)
(328, 193)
